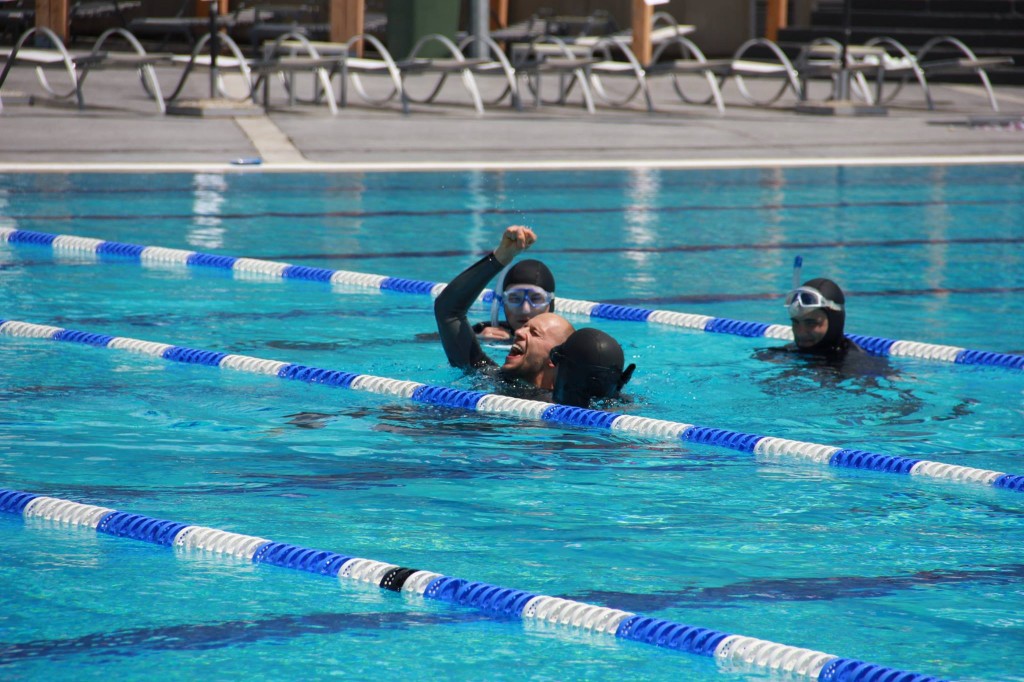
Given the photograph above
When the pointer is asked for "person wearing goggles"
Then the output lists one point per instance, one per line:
(527, 290)
(817, 314)
(528, 363)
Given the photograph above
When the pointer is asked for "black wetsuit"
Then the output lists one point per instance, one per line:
(458, 338)
(846, 358)
(479, 328)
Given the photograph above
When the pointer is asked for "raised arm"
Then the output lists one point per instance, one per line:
(452, 306)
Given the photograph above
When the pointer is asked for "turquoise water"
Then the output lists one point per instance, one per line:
(910, 573)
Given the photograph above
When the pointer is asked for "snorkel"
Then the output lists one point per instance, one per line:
(496, 297)
(824, 295)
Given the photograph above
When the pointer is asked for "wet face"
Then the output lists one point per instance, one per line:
(528, 358)
(522, 310)
(809, 328)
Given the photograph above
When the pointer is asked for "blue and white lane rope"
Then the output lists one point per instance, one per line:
(495, 601)
(531, 409)
(155, 255)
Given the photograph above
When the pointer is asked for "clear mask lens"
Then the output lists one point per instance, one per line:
(532, 297)
(806, 298)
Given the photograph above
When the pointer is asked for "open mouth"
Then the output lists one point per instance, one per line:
(516, 350)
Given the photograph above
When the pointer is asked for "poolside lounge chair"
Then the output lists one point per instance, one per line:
(233, 61)
(900, 65)
(354, 66)
(354, 69)
(549, 55)
(286, 57)
(666, 34)
(456, 63)
(78, 66)
(756, 59)
(497, 63)
(588, 60)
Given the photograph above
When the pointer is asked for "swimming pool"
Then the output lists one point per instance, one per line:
(915, 574)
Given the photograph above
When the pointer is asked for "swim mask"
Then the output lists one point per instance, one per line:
(807, 298)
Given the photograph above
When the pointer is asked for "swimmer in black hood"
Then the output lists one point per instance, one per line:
(590, 367)
(817, 312)
(526, 290)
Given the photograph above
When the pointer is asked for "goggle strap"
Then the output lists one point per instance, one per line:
(497, 297)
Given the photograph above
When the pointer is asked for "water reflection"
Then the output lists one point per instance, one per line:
(206, 231)
(642, 222)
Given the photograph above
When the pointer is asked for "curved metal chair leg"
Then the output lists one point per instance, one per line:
(236, 53)
(512, 82)
(393, 73)
(790, 82)
(147, 73)
(716, 91)
(68, 62)
(635, 70)
(969, 54)
(588, 97)
(321, 76)
(689, 49)
(474, 92)
(910, 62)
(468, 80)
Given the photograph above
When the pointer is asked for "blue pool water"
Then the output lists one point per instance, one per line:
(912, 573)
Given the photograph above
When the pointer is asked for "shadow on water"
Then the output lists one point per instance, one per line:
(863, 376)
(803, 589)
(228, 634)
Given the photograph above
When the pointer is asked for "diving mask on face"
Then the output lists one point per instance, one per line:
(534, 297)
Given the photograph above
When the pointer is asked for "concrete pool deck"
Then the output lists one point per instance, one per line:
(120, 128)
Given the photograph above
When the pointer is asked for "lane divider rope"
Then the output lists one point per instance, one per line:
(493, 600)
(765, 446)
(252, 267)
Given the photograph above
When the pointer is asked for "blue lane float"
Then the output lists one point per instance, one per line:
(729, 650)
(766, 447)
(155, 255)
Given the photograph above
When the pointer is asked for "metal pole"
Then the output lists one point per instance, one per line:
(214, 47)
(479, 25)
(844, 74)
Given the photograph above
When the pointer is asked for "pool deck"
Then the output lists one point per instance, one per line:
(120, 129)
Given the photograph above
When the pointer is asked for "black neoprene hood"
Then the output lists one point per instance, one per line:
(530, 271)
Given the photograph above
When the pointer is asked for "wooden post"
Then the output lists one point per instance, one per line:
(775, 18)
(203, 8)
(53, 14)
(347, 18)
(499, 14)
(641, 20)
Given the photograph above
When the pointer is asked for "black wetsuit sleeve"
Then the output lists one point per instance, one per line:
(451, 309)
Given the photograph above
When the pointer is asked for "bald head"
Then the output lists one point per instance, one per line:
(528, 359)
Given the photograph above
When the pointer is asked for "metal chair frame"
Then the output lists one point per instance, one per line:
(77, 67)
